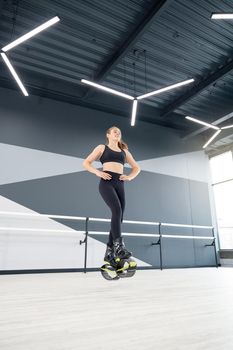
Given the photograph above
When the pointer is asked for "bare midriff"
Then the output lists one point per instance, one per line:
(113, 166)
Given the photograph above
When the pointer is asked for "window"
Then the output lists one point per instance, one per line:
(222, 180)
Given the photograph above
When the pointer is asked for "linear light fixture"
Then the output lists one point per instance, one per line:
(13, 72)
(134, 111)
(222, 16)
(105, 88)
(210, 126)
(227, 127)
(135, 99)
(31, 33)
(203, 123)
(166, 89)
(211, 139)
(19, 41)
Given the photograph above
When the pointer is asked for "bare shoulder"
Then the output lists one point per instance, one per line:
(101, 147)
(95, 154)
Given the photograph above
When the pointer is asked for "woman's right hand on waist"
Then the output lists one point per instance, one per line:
(104, 175)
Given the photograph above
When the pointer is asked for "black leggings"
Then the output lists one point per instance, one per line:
(113, 194)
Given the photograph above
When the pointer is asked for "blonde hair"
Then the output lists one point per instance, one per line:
(121, 143)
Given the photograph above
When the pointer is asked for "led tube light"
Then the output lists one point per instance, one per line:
(211, 139)
(166, 89)
(222, 16)
(112, 91)
(134, 111)
(31, 34)
(203, 123)
(227, 127)
(14, 74)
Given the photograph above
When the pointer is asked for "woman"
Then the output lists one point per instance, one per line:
(111, 186)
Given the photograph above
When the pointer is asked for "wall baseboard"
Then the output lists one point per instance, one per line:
(226, 254)
(226, 262)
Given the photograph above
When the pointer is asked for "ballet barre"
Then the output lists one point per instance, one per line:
(159, 235)
(87, 232)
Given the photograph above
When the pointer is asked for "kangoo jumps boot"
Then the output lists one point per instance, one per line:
(119, 249)
(109, 256)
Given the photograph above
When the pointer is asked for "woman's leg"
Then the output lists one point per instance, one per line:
(111, 198)
(110, 239)
(121, 195)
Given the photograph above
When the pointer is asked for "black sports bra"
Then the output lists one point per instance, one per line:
(110, 155)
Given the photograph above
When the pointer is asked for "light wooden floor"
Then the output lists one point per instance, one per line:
(181, 309)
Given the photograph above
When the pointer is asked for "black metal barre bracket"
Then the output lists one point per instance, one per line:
(214, 246)
(84, 241)
(157, 243)
(211, 245)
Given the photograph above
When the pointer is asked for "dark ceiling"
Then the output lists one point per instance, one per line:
(134, 46)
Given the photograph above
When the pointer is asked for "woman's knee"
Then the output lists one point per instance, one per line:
(117, 211)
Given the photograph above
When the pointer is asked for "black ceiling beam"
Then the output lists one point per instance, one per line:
(1, 11)
(1, 7)
(202, 85)
(154, 12)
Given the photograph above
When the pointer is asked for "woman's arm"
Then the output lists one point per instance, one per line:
(94, 155)
(135, 167)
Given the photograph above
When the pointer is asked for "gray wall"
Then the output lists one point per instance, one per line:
(42, 145)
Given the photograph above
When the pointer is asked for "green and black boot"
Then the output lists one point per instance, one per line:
(109, 256)
(119, 249)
